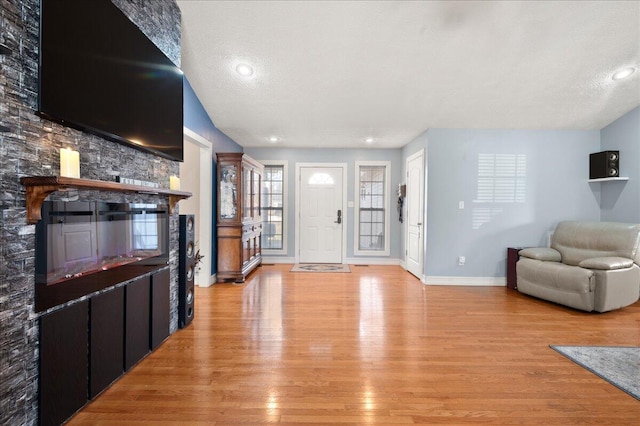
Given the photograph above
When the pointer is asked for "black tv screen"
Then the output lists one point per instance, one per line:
(99, 73)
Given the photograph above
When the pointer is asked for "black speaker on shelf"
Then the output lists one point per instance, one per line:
(604, 164)
(186, 270)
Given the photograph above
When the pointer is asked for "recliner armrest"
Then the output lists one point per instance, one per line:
(541, 253)
(606, 263)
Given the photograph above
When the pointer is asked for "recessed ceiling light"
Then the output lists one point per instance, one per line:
(273, 139)
(369, 140)
(623, 73)
(244, 70)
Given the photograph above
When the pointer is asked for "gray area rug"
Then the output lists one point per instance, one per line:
(618, 365)
(320, 267)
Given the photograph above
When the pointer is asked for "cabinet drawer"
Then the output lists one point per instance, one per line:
(251, 230)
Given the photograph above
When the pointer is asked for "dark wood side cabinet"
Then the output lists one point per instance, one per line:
(159, 307)
(512, 259)
(239, 214)
(136, 321)
(63, 363)
(106, 340)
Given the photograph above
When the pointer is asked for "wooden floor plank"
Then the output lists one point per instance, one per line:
(374, 346)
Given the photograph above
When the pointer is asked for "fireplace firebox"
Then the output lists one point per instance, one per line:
(82, 247)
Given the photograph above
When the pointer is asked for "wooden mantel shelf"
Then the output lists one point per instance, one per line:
(39, 187)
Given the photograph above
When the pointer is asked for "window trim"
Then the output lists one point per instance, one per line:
(144, 220)
(387, 209)
(285, 207)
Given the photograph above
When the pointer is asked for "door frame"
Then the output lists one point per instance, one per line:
(345, 222)
(204, 209)
(423, 230)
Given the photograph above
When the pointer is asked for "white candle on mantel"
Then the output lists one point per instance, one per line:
(174, 182)
(69, 163)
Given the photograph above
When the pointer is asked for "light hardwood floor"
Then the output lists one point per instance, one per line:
(372, 346)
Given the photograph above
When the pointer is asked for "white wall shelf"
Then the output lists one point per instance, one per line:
(611, 179)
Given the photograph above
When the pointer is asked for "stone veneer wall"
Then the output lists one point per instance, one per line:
(30, 147)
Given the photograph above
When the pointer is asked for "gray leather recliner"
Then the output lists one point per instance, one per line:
(592, 266)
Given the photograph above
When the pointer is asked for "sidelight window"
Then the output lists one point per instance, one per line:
(273, 207)
(372, 208)
(145, 229)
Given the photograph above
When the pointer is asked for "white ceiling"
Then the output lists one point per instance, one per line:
(332, 73)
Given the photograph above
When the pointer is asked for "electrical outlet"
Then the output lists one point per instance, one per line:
(461, 260)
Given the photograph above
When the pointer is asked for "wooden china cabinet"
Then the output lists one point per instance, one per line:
(239, 221)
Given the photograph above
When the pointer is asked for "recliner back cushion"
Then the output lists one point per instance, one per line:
(577, 240)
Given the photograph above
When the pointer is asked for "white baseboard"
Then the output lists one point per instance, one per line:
(433, 280)
(422, 277)
(467, 281)
(372, 261)
(212, 281)
(278, 259)
(350, 260)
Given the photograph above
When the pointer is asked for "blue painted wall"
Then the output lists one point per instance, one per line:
(555, 188)
(348, 156)
(197, 120)
(620, 201)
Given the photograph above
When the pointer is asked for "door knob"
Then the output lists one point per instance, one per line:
(339, 217)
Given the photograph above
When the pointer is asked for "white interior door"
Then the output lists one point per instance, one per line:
(77, 248)
(321, 215)
(415, 214)
(195, 177)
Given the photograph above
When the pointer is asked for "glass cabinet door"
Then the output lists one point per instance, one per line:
(257, 184)
(228, 191)
(246, 192)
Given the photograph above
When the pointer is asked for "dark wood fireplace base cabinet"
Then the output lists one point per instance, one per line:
(239, 216)
(86, 346)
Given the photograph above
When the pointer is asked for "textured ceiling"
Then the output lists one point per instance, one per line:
(332, 73)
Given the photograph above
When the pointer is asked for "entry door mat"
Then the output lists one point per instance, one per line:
(618, 365)
(320, 267)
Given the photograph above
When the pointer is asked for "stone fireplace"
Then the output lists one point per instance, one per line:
(29, 146)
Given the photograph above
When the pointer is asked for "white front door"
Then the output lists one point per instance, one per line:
(321, 215)
(415, 214)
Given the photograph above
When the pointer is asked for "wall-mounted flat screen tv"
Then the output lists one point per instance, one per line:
(99, 73)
